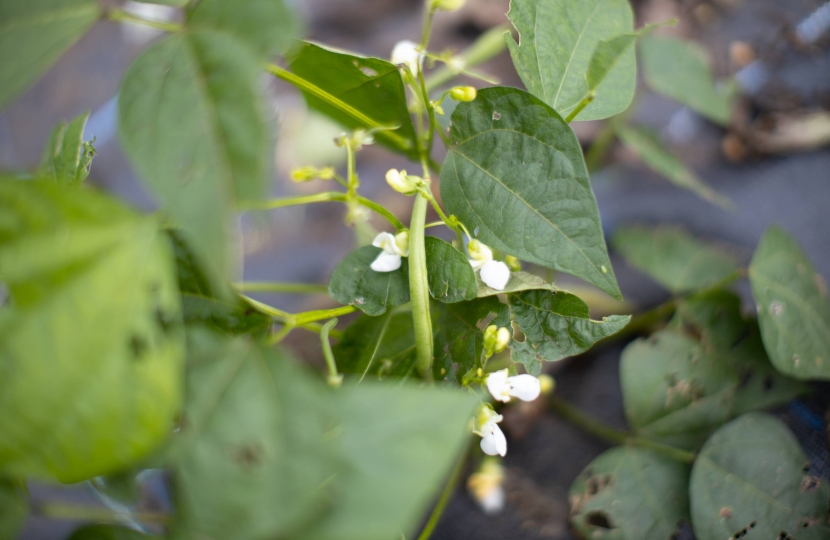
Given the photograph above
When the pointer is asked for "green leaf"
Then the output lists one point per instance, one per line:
(191, 122)
(451, 278)
(13, 509)
(354, 283)
(792, 307)
(673, 258)
(515, 172)
(34, 34)
(674, 391)
(459, 342)
(380, 347)
(609, 53)
(106, 532)
(749, 480)
(646, 144)
(370, 90)
(268, 26)
(399, 443)
(630, 494)
(67, 157)
(202, 304)
(556, 43)
(519, 281)
(254, 453)
(91, 335)
(556, 325)
(680, 70)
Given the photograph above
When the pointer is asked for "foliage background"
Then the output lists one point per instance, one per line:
(298, 244)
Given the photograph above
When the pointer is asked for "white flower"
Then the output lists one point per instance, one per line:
(486, 486)
(479, 253)
(495, 274)
(493, 442)
(402, 182)
(502, 387)
(394, 247)
(406, 53)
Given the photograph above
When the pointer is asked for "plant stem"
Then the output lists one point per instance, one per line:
(289, 319)
(446, 494)
(265, 286)
(615, 436)
(488, 45)
(119, 15)
(334, 379)
(427, 28)
(94, 513)
(322, 314)
(419, 289)
(328, 196)
(582, 104)
(599, 148)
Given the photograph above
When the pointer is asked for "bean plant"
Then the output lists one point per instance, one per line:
(128, 342)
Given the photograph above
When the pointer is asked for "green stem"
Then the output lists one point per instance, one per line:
(427, 29)
(119, 15)
(485, 47)
(578, 418)
(334, 379)
(351, 176)
(582, 104)
(92, 513)
(265, 286)
(382, 131)
(599, 148)
(322, 314)
(446, 494)
(289, 319)
(328, 196)
(419, 289)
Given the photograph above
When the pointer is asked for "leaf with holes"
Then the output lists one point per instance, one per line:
(398, 443)
(459, 339)
(673, 258)
(371, 89)
(191, 123)
(519, 281)
(792, 307)
(354, 283)
(451, 278)
(107, 532)
(556, 44)
(751, 479)
(378, 347)
(99, 280)
(33, 35)
(646, 144)
(252, 458)
(630, 494)
(13, 509)
(674, 390)
(680, 70)
(67, 157)
(515, 172)
(267, 26)
(556, 325)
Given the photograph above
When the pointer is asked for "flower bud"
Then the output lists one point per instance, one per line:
(448, 5)
(502, 340)
(479, 251)
(400, 182)
(326, 173)
(547, 383)
(463, 93)
(304, 174)
(513, 263)
(402, 242)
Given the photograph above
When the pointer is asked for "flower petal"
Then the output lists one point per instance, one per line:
(385, 241)
(476, 264)
(494, 444)
(406, 52)
(493, 501)
(495, 274)
(525, 387)
(498, 386)
(386, 262)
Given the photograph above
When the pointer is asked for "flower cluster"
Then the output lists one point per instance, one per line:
(502, 387)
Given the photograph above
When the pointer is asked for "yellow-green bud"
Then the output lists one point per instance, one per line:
(448, 5)
(513, 263)
(463, 93)
(401, 182)
(304, 174)
(547, 384)
(479, 251)
(402, 241)
(326, 173)
(502, 340)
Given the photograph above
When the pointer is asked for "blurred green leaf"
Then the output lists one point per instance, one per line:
(252, 458)
(371, 88)
(91, 350)
(515, 173)
(749, 480)
(557, 41)
(556, 325)
(34, 34)
(646, 144)
(399, 443)
(379, 347)
(672, 257)
(459, 340)
(67, 157)
(792, 307)
(354, 283)
(14, 508)
(680, 70)
(610, 52)
(191, 122)
(630, 494)
(106, 532)
(519, 281)
(268, 26)
(451, 278)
